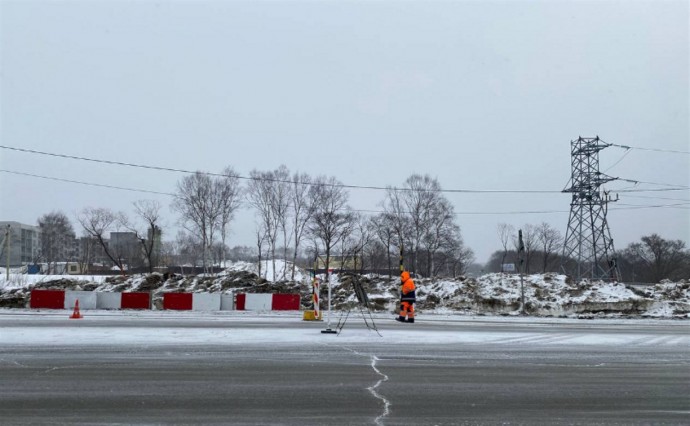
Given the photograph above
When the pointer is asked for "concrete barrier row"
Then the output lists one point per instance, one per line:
(66, 299)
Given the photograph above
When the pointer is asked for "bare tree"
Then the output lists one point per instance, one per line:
(150, 239)
(189, 246)
(550, 242)
(332, 219)
(384, 228)
(657, 258)
(260, 242)
(88, 246)
(57, 238)
(420, 215)
(440, 225)
(505, 232)
(96, 222)
(353, 244)
(397, 217)
(260, 195)
(529, 239)
(281, 200)
(421, 197)
(193, 202)
(168, 253)
(229, 195)
(207, 206)
(412, 208)
(454, 256)
(302, 206)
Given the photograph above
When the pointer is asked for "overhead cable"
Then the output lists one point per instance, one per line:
(450, 191)
(169, 169)
(632, 207)
(672, 151)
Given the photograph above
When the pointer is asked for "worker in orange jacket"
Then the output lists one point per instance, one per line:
(407, 298)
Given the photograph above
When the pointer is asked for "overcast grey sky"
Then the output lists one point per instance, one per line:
(482, 95)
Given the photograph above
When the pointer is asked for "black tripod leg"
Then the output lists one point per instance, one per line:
(339, 327)
(371, 317)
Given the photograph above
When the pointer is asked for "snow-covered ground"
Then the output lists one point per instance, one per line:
(491, 294)
(101, 327)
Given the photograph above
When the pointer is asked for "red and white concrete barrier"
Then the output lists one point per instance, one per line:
(66, 299)
(267, 302)
(192, 301)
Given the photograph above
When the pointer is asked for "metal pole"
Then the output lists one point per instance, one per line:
(522, 294)
(328, 329)
(7, 238)
(521, 249)
(402, 266)
(328, 276)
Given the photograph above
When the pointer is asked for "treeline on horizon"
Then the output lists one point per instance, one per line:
(301, 218)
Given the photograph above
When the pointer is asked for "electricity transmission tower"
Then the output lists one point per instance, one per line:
(588, 240)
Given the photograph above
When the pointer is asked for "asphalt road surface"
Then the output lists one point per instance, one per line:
(523, 372)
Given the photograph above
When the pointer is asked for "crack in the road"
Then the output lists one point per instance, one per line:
(372, 389)
(11, 361)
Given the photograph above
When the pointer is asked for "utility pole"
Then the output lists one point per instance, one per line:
(588, 239)
(7, 243)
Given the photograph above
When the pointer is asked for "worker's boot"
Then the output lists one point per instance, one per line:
(400, 319)
(410, 320)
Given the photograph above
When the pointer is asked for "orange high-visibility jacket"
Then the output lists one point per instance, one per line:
(407, 290)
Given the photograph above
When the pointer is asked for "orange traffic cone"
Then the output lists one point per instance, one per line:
(76, 314)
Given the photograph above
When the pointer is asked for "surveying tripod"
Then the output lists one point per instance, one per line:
(362, 303)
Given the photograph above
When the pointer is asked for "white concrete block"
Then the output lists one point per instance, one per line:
(87, 299)
(206, 301)
(258, 302)
(227, 302)
(108, 300)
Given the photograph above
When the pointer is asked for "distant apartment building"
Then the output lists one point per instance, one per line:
(125, 247)
(336, 262)
(90, 252)
(24, 244)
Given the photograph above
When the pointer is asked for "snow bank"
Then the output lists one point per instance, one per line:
(491, 294)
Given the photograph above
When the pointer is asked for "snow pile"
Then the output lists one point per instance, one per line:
(283, 270)
(490, 294)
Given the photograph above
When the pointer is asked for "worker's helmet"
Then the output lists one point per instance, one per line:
(404, 276)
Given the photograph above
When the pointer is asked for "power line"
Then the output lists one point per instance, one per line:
(169, 169)
(636, 182)
(487, 213)
(88, 183)
(658, 198)
(619, 160)
(463, 191)
(466, 213)
(650, 149)
(685, 188)
(650, 206)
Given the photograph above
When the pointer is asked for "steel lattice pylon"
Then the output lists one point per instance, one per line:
(588, 239)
